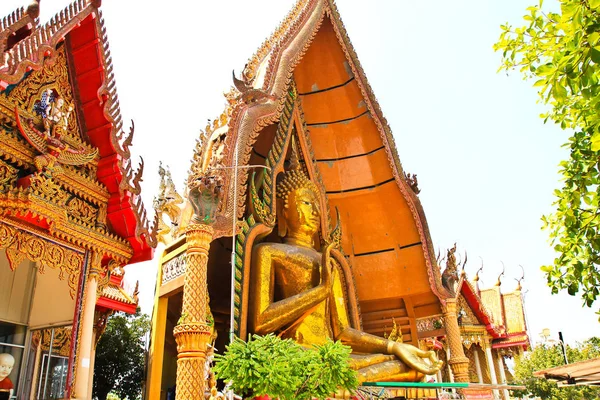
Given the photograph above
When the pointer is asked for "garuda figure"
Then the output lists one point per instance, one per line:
(53, 142)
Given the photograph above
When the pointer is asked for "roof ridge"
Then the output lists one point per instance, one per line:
(12, 18)
(280, 32)
(32, 50)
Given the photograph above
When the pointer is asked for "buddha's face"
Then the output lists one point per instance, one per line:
(303, 212)
(7, 362)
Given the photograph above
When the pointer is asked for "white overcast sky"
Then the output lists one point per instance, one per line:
(486, 163)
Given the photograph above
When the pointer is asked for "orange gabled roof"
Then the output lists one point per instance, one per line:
(363, 178)
(81, 26)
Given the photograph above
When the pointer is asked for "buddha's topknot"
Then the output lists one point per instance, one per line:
(294, 179)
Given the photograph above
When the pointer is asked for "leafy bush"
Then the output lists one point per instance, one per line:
(280, 368)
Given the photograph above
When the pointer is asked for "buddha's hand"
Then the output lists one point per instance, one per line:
(326, 279)
(413, 357)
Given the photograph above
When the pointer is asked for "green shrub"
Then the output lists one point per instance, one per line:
(280, 368)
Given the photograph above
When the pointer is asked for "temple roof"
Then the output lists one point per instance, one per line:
(385, 233)
(503, 314)
(479, 308)
(28, 46)
(114, 297)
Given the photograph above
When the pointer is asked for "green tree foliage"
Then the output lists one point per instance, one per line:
(560, 52)
(119, 365)
(543, 357)
(283, 369)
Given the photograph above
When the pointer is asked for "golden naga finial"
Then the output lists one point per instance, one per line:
(450, 274)
(519, 287)
(248, 94)
(476, 278)
(499, 281)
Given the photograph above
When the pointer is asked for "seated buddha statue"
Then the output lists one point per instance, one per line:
(297, 292)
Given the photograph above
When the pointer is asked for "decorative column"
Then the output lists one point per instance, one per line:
(192, 333)
(502, 374)
(491, 366)
(490, 360)
(477, 364)
(450, 374)
(86, 339)
(458, 361)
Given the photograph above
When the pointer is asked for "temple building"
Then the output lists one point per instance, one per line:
(298, 219)
(71, 216)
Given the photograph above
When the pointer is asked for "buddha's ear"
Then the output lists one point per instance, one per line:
(281, 225)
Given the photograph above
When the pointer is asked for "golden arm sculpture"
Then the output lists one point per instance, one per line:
(296, 291)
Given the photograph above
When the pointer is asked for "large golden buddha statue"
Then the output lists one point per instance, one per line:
(297, 292)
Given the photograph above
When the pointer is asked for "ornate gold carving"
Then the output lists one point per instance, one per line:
(20, 245)
(81, 209)
(465, 314)
(173, 268)
(47, 189)
(95, 266)
(61, 340)
(168, 202)
(430, 324)
(41, 89)
(48, 127)
(8, 175)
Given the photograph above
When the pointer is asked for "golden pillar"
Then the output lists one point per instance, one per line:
(86, 338)
(458, 361)
(192, 333)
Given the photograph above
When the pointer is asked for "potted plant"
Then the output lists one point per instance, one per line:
(280, 368)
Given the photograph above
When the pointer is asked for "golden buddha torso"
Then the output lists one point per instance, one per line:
(297, 270)
(296, 291)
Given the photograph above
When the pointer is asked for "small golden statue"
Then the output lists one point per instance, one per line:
(297, 292)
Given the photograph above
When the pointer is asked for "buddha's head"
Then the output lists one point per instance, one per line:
(7, 362)
(300, 208)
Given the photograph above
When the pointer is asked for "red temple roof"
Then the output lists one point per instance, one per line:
(80, 26)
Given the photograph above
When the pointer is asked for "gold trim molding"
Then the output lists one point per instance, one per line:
(20, 245)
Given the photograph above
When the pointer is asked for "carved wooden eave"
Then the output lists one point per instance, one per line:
(268, 75)
(81, 28)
